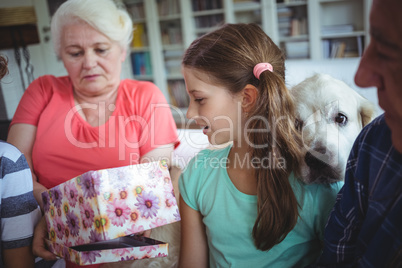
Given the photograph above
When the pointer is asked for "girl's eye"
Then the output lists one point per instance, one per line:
(198, 99)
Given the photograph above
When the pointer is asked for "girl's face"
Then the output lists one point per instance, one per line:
(92, 60)
(213, 107)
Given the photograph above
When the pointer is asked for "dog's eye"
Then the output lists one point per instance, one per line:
(341, 119)
(298, 124)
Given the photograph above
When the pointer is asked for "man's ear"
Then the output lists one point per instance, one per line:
(249, 97)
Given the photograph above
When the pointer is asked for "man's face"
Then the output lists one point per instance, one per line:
(381, 64)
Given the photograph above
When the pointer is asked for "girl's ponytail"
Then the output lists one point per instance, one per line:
(277, 204)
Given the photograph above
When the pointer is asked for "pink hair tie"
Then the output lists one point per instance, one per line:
(261, 67)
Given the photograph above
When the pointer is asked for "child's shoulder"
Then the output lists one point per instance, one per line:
(9, 151)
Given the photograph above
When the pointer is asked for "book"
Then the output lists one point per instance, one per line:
(359, 45)
(141, 63)
(139, 35)
(340, 52)
(326, 48)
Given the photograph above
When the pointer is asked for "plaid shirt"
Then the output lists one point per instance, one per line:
(365, 226)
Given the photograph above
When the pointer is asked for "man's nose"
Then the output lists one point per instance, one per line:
(368, 74)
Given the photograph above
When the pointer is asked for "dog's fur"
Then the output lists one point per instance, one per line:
(322, 105)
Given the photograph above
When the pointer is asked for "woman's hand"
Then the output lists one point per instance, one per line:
(163, 152)
(38, 245)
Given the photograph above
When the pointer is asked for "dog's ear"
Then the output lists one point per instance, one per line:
(367, 111)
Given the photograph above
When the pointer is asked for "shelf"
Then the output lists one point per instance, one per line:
(178, 76)
(138, 21)
(170, 17)
(246, 6)
(173, 47)
(303, 37)
(291, 4)
(140, 49)
(206, 29)
(208, 12)
(343, 35)
(144, 77)
(331, 1)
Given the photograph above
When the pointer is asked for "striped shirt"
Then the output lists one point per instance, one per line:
(19, 209)
(365, 226)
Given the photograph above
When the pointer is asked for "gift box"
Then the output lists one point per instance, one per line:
(94, 217)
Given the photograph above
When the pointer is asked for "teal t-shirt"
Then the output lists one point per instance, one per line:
(229, 216)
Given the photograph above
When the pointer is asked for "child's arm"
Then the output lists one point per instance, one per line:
(194, 247)
(18, 257)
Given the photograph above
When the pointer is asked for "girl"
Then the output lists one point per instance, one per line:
(243, 205)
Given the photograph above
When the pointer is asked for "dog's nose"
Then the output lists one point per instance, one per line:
(313, 162)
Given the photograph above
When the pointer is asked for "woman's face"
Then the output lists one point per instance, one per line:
(92, 60)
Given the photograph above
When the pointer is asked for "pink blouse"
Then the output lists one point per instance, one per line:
(67, 146)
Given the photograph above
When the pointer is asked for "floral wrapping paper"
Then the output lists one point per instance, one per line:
(105, 204)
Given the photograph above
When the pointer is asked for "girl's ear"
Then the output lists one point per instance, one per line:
(250, 95)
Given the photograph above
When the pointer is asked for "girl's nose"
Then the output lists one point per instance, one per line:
(191, 112)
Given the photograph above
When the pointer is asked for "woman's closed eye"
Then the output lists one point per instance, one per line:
(198, 99)
(75, 54)
(101, 51)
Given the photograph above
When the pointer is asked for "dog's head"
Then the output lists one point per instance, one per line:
(330, 115)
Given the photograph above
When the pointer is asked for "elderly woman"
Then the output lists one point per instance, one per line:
(90, 119)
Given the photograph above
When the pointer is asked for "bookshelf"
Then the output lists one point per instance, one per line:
(343, 28)
(304, 29)
(293, 31)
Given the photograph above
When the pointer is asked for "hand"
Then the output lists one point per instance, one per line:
(146, 233)
(38, 244)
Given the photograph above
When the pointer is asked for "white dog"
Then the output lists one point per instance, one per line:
(330, 115)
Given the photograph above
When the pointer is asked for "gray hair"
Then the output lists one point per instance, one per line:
(103, 15)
